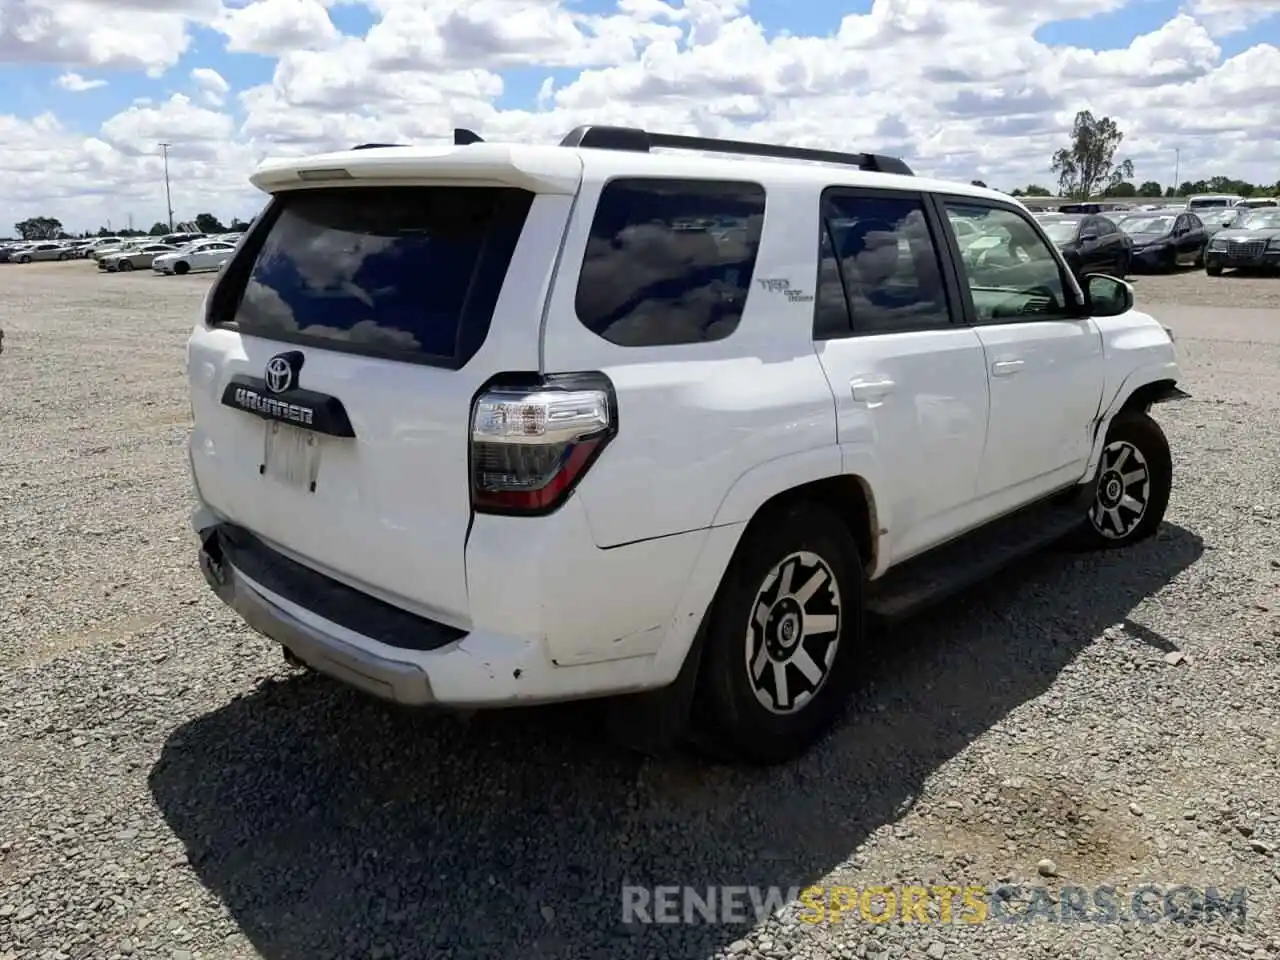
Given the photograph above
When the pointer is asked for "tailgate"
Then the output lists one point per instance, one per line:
(333, 379)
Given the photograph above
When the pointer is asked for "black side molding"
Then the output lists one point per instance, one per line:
(301, 408)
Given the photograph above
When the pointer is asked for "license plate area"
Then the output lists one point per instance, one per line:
(291, 455)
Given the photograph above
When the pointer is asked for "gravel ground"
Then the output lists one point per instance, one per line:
(1194, 288)
(170, 789)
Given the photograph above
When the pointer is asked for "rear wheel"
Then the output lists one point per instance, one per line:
(783, 638)
(1135, 479)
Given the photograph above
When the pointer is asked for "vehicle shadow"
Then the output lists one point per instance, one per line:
(332, 826)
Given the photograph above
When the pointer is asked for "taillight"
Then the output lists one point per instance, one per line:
(531, 444)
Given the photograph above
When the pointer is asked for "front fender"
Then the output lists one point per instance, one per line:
(1164, 371)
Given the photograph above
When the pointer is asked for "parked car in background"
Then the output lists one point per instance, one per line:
(136, 259)
(180, 239)
(1217, 209)
(1251, 203)
(38, 252)
(1166, 240)
(9, 251)
(1090, 243)
(99, 243)
(204, 255)
(1252, 240)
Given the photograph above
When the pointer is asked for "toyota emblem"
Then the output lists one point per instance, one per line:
(282, 372)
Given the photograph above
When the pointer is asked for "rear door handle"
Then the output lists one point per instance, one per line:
(1007, 368)
(871, 390)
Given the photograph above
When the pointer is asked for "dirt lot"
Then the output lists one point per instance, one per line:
(169, 789)
(1192, 288)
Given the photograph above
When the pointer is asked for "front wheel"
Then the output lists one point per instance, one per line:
(1135, 479)
(126, 266)
(1213, 271)
(24, 259)
(181, 268)
(783, 638)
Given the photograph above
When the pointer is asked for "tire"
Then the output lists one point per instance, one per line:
(125, 266)
(741, 711)
(1124, 266)
(24, 259)
(181, 268)
(1213, 271)
(1135, 479)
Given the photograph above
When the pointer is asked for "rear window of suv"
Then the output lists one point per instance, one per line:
(669, 261)
(408, 273)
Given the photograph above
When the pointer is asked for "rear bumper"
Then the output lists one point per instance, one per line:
(483, 668)
(382, 677)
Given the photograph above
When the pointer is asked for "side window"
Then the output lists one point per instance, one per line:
(669, 261)
(887, 262)
(1012, 273)
(1106, 227)
(830, 308)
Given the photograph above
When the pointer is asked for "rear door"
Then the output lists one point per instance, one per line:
(908, 375)
(333, 378)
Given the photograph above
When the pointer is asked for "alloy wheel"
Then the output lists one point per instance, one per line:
(793, 633)
(1124, 488)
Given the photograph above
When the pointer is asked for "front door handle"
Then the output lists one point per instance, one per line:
(871, 390)
(1007, 368)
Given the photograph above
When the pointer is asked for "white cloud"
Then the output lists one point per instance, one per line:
(74, 83)
(212, 86)
(147, 35)
(276, 26)
(1231, 16)
(961, 88)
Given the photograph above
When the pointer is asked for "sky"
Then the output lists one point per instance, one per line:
(962, 89)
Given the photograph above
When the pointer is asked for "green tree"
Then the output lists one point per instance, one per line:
(1089, 164)
(158, 229)
(238, 226)
(977, 183)
(39, 228)
(1122, 189)
(1151, 189)
(208, 223)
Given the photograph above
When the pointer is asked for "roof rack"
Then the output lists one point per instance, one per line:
(642, 141)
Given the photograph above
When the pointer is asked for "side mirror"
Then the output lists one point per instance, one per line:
(1107, 296)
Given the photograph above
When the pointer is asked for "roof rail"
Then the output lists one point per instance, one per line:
(642, 141)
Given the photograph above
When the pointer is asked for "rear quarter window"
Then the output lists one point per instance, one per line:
(407, 273)
(669, 261)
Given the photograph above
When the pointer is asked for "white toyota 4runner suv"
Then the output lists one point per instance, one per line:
(486, 424)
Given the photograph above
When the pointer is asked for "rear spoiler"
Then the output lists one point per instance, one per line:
(1170, 393)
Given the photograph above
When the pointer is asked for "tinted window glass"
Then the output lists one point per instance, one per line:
(888, 263)
(669, 261)
(1105, 226)
(830, 308)
(1016, 275)
(1059, 231)
(409, 273)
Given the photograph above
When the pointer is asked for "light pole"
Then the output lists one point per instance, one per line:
(1177, 168)
(168, 199)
